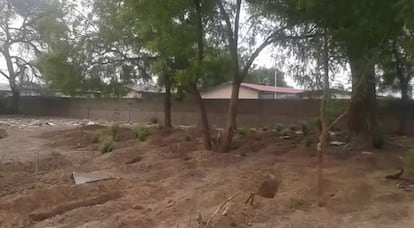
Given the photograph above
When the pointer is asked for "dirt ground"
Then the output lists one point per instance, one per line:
(168, 180)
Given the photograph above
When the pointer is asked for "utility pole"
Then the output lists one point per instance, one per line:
(275, 76)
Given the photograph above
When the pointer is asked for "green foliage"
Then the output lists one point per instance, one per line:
(154, 120)
(96, 137)
(242, 131)
(188, 138)
(115, 132)
(142, 133)
(308, 142)
(305, 128)
(410, 162)
(279, 127)
(55, 154)
(107, 146)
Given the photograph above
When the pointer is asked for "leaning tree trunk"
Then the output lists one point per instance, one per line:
(205, 126)
(231, 117)
(167, 102)
(362, 122)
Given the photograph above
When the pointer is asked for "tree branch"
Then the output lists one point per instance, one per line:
(4, 74)
(226, 18)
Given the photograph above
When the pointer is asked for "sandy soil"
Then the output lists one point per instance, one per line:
(169, 180)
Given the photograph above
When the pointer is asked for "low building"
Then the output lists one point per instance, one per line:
(252, 91)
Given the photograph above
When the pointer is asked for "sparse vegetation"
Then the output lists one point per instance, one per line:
(410, 162)
(188, 138)
(154, 120)
(308, 142)
(293, 128)
(55, 154)
(115, 132)
(142, 133)
(96, 137)
(298, 204)
(242, 131)
(305, 128)
(107, 146)
(285, 132)
(279, 127)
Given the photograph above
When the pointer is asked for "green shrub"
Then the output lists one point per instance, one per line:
(188, 138)
(410, 163)
(379, 141)
(279, 127)
(55, 154)
(308, 142)
(242, 131)
(305, 128)
(115, 132)
(107, 146)
(96, 138)
(142, 133)
(285, 132)
(154, 120)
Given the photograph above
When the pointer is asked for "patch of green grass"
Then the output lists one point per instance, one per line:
(410, 162)
(107, 146)
(115, 132)
(242, 131)
(142, 134)
(298, 204)
(305, 128)
(55, 154)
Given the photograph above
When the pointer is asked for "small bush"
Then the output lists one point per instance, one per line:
(308, 142)
(115, 132)
(410, 163)
(285, 132)
(279, 127)
(379, 141)
(154, 120)
(142, 133)
(188, 138)
(298, 204)
(55, 154)
(242, 131)
(293, 128)
(305, 128)
(107, 146)
(96, 138)
(318, 125)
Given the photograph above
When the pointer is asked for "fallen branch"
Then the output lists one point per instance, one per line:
(41, 215)
(220, 208)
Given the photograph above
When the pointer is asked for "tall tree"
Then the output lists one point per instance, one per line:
(358, 29)
(26, 28)
(99, 55)
(242, 55)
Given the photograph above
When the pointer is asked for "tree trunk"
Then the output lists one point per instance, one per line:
(205, 126)
(403, 105)
(167, 102)
(362, 122)
(15, 101)
(231, 117)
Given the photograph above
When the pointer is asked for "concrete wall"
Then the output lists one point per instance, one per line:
(252, 113)
(224, 92)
